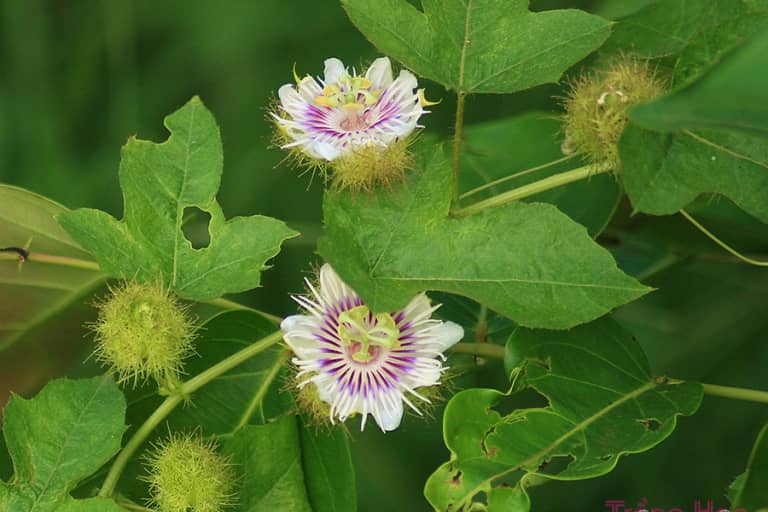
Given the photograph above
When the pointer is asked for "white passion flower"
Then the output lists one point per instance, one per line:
(356, 125)
(362, 362)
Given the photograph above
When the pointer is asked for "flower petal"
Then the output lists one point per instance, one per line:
(334, 70)
(389, 414)
(380, 73)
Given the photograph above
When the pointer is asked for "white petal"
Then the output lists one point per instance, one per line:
(420, 307)
(332, 288)
(389, 414)
(325, 151)
(380, 73)
(446, 335)
(334, 70)
(309, 89)
(406, 82)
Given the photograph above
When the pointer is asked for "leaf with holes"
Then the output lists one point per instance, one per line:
(527, 261)
(161, 181)
(479, 46)
(665, 172)
(57, 439)
(603, 403)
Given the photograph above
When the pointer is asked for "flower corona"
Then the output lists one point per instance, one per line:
(363, 362)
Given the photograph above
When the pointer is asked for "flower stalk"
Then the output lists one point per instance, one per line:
(537, 187)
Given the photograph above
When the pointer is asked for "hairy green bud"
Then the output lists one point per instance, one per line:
(596, 106)
(142, 333)
(187, 474)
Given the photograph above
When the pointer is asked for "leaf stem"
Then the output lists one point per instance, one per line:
(458, 133)
(478, 349)
(714, 238)
(516, 175)
(170, 403)
(64, 261)
(536, 187)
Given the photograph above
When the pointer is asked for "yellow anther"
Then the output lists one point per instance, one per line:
(352, 106)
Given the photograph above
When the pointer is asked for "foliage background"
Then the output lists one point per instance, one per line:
(79, 77)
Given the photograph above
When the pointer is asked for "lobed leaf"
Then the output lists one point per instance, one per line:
(57, 439)
(603, 403)
(528, 261)
(159, 182)
(479, 46)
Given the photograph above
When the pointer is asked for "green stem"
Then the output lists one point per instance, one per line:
(536, 187)
(479, 349)
(38, 257)
(515, 175)
(749, 395)
(714, 238)
(236, 306)
(458, 132)
(170, 403)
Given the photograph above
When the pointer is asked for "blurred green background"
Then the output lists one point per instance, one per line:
(78, 78)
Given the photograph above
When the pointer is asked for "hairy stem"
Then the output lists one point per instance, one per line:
(548, 183)
(479, 349)
(458, 132)
(170, 403)
(714, 238)
(516, 175)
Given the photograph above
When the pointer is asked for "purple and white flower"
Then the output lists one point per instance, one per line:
(329, 118)
(362, 362)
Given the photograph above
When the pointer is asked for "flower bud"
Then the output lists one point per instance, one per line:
(143, 332)
(595, 108)
(186, 474)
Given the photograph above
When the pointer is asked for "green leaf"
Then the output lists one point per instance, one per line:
(536, 266)
(603, 403)
(37, 291)
(669, 27)
(328, 470)
(57, 439)
(479, 46)
(751, 491)
(159, 182)
(665, 172)
(488, 156)
(268, 459)
(731, 96)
